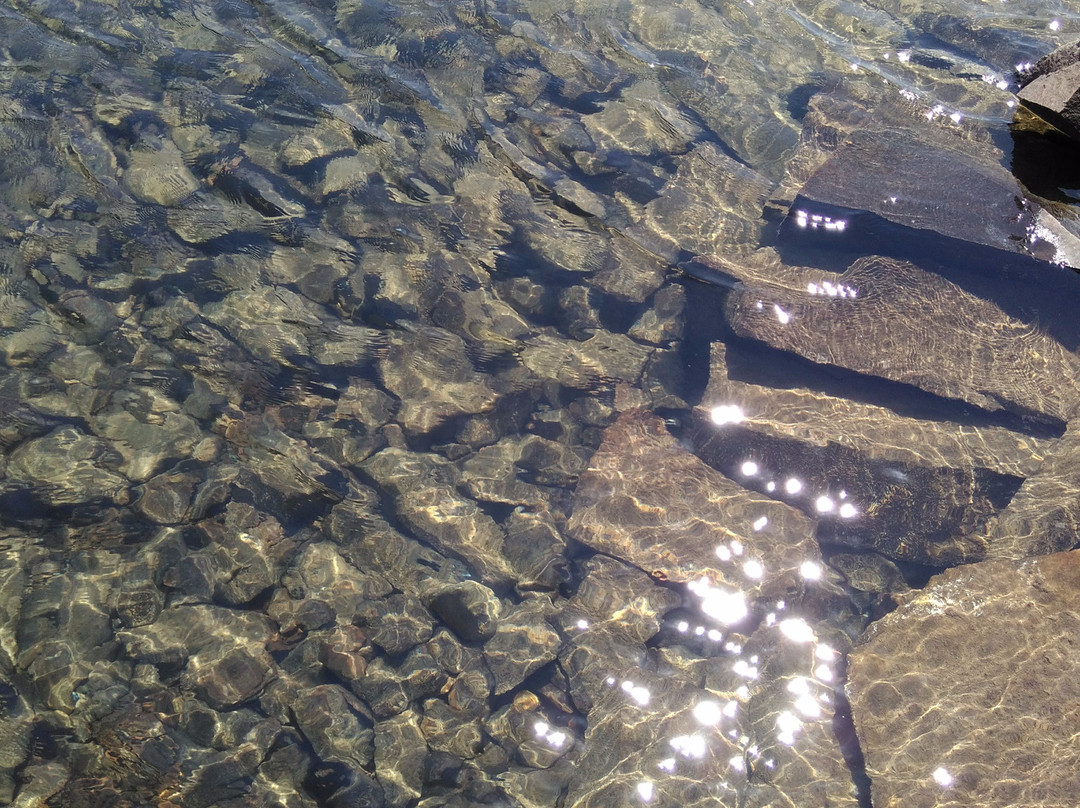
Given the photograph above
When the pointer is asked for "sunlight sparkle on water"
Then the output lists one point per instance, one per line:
(797, 629)
(708, 713)
(942, 777)
(636, 692)
(645, 791)
(788, 724)
(724, 605)
(810, 571)
(808, 706)
(749, 468)
(727, 414)
(692, 746)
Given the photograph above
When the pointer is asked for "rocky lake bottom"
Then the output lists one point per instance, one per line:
(536, 405)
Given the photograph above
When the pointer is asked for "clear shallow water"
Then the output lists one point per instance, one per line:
(317, 324)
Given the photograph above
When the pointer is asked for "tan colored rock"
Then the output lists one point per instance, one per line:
(159, 175)
(648, 501)
(967, 694)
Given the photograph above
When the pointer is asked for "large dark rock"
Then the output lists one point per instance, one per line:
(648, 501)
(1051, 89)
(469, 608)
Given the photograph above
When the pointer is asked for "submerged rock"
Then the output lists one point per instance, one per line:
(1050, 88)
(523, 642)
(966, 694)
(648, 501)
(911, 512)
(818, 418)
(429, 371)
(424, 492)
(871, 318)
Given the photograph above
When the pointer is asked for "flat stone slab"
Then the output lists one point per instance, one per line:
(967, 694)
(648, 501)
(869, 318)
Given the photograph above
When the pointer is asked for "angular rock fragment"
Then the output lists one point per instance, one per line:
(523, 642)
(423, 488)
(470, 609)
(400, 758)
(648, 501)
(67, 467)
(871, 318)
(447, 730)
(158, 175)
(877, 432)
(396, 623)
(319, 572)
(430, 373)
(622, 595)
(915, 513)
(537, 548)
(892, 166)
(227, 679)
(599, 361)
(1049, 88)
(967, 694)
(369, 542)
(336, 726)
(1044, 515)
(712, 203)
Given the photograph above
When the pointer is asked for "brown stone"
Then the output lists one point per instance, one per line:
(967, 694)
(648, 501)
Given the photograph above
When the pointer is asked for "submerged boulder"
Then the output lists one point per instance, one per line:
(892, 319)
(648, 501)
(966, 694)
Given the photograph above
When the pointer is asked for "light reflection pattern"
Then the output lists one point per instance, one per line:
(770, 681)
(825, 504)
(809, 701)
